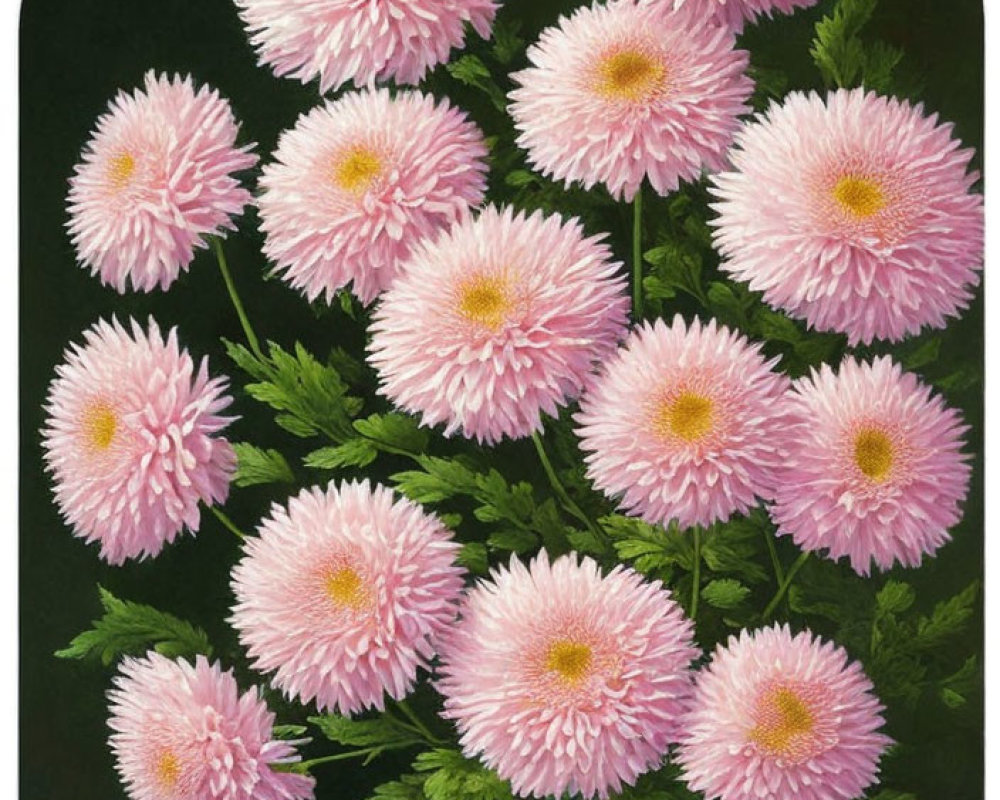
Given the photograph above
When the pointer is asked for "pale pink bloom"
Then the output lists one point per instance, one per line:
(360, 40)
(854, 213)
(628, 90)
(685, 423)
(564, 680)
(130, 439)
(874, 469)
(735, 13)
(783, 718)
(496, 321)
(183, 731)
(343, 595)
(155, 180)
(358, 181)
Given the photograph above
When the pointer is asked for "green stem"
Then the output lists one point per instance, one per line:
(637, 256)
(563, 496)
(304, 766)
(424, 731)
(241, 313)
(696, 575)
(803, 557)
(779, 573)
(227, 522)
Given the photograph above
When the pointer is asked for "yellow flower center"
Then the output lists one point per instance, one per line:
(168, 770)
(688, 416)
(569, 659)
(860, 196)
(357, 170)
(346, 589)
(629, 75)
(873, 453)
(120, 170)
(99, 425)
(781, 716)
(485, 301)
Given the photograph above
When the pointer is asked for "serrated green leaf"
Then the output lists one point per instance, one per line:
(451, 776)
(473, 557)
(256, 466)
(724, 593)
(393, 430)
(379, 731)
(651, 548)
(470, 70)
(439, 479)
(311, 397)
(408, 787)
(501, 501)
(894, 598)
(129, 628)
(517, 541)
(507, 45)
(357, 452)
(947, 619)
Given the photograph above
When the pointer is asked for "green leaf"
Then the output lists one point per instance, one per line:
(440, 479)
(255, 466)
(732, 547)
(408, 787)
(474, 558)
(288, 731)
(842, 58)
(513, 540)
(470, 70)
(724, 593)
(951, 698)
(311, 397)
(507, 45)
(451, 776)
(129, 628)
(925, 353)
(894, 598)
(774, 325)
(947, 619)
(379, 731)
(501, 501)
(652, 549)
(352, 453)
(394, 430)
(521, 177)
(676, 265)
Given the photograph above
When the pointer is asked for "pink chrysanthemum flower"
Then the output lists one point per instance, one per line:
(564, 680)
(497, 320)
(735, 13)
(781, 717)
(356, 182)
(347, 40)
(628, 90)
(854, 214)
(875, 469)
(130, 439)
(344, 594)
(685, 424)
(183, 731)
(155, 179)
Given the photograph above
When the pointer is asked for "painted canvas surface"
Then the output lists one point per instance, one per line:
(459, 399)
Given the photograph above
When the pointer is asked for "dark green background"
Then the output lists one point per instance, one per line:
(75, 54)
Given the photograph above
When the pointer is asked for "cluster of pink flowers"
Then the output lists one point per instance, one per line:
(852, 212)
